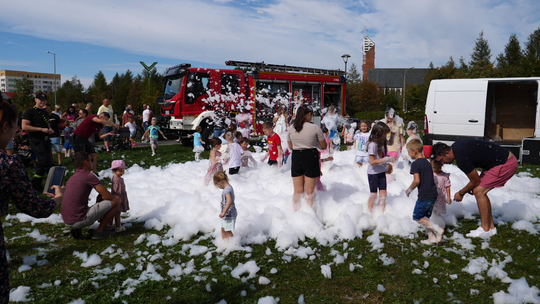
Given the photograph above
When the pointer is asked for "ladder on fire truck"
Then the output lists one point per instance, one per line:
(265, 67)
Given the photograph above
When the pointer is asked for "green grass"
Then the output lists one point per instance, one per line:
(299, 276)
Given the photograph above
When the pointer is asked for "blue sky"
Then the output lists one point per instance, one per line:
(113, 36)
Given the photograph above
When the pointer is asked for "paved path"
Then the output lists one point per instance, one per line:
(142, 144)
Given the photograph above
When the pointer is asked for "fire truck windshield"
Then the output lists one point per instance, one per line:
(173, 86)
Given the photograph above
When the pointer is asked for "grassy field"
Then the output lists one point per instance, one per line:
(398, 270)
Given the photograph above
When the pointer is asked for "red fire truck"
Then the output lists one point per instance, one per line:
(191, 94)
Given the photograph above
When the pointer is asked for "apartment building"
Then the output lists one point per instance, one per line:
(42, 81)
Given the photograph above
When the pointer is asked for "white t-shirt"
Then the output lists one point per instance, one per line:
(132, 127)
(145, 115)
(360, 143)
(235, 158)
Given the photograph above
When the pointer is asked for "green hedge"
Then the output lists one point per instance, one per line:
(416, 115)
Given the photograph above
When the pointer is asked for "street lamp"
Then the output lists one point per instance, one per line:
(404, 82)
(54, 75)
(345, 59)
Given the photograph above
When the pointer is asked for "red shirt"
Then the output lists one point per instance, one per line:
(273, 143)
(88, 127)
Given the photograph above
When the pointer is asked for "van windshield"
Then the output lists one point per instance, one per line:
(173, 86)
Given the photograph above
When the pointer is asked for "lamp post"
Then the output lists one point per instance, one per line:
(345, 58)
(404, 83)
(54, 75)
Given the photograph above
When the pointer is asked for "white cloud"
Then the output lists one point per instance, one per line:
(294, 32)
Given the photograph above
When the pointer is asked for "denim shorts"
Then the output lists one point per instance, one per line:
(423, 209)
(55, 144)
(106, 130)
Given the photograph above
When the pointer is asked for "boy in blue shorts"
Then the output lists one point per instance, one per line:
(427, 191)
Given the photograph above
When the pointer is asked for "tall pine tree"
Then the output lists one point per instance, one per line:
(509, 62)
(531, 61)
(480, 63)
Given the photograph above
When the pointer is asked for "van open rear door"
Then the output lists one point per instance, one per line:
(537, 124)
(459, 107)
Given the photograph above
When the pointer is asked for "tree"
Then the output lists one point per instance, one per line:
(509, 62)
(531, 60)
(70, 92)
(153, 88)
(353, 75)
(24, 97)
(463, 67)
(99, 90)
(480, 63)
(135, 93)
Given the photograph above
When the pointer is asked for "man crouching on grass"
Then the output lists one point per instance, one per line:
(75, 210)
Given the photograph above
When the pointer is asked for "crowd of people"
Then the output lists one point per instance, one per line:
(378, 145)
(51, 136)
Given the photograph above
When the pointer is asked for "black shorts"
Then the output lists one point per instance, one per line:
(81, 144)
(272, 162)
(376, 181)
(234, 170)
(305, 162)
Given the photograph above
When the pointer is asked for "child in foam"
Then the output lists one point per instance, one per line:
(330, 121)
(326, 155)
(361, 137)
(275, 153)
(215, 160)
(377, 165)
(235, 156)
(153, 131)
(228, 209)
(395, 136)
(427, 192)
(118, 188)
(247, 157)
(412, 129)
(442, 181)
(197, 143)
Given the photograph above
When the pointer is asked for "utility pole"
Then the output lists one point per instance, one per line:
(54, 75)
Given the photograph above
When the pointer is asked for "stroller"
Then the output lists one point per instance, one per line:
(121, 140)
(22, 147)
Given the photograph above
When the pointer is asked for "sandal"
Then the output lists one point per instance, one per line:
(122, 228)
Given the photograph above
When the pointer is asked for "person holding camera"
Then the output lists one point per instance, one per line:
(16, 188)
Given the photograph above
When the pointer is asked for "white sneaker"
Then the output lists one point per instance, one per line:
(479, 232)
(493, 231)
(153, 154)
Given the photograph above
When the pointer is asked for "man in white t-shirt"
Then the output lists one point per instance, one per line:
(145, 118)
(106, 107)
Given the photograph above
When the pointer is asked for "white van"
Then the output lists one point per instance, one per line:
(502, 110)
